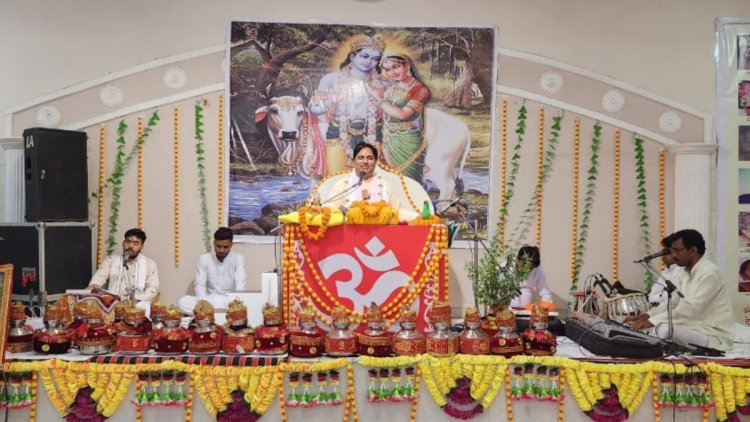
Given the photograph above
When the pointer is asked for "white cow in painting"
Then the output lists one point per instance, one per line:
(297, 139)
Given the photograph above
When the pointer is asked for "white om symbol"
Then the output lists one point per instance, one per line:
(384, 263)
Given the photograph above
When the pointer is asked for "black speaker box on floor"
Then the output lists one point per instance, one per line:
(58, 252)
(56, 175)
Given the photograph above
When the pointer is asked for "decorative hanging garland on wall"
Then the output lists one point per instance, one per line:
(100, 198)
(114, 181)
(616, 210)
(539, 178)
(588, 202)
(503, 162)
(514, 166)
(642, 198)
(200, 161)
(574, 213)
(140, 174)
(519, 231)
(220, 166)
(662, 215)
(176, 182)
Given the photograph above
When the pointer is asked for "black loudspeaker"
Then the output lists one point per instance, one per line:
(54, 256)
(56, 175)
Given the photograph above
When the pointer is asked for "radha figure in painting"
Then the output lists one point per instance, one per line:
(403, 117)
(346, 111)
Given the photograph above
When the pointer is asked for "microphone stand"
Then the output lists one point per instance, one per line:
(669, 287)
(343, 193)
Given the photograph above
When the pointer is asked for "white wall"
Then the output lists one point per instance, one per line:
(665, 47)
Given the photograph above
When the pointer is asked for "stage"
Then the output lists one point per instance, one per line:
(478, 386)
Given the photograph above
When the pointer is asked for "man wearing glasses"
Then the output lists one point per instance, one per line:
(703, 317)
(131, 275)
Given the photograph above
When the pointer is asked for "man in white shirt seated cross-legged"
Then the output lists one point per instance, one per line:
(218, 274)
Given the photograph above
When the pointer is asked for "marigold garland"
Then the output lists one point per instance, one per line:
(33, 387)
(303, 221)
(662, 200)
(616, 209)
(220, 163)
(588, 381)
(539, 178)
(176, 182)
(503, 161)
(574, 212)
(139, 172)
(100, 198)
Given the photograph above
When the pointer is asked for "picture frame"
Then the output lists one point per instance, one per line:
(6, 287)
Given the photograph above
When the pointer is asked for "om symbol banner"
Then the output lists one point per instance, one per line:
(354, 265)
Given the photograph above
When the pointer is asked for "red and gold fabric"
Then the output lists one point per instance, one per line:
(354, 265)
(306, 345)
(272, 339)
(205, 342)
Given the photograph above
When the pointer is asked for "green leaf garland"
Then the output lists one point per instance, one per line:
(640, 176)
(549, 158)
(114, 181)
(588, 203)
(200, 159)
(515, 159)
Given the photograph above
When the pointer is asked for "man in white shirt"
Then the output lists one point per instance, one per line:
(536, 281)
(658, 292)
(218, 273)
(704, 316)
(131, 274)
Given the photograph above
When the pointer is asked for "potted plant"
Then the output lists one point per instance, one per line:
(497, 275)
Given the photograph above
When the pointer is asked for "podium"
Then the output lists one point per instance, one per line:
(354, 265)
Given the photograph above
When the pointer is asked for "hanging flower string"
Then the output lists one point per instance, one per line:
(539, 178)
(503, 161)
(588, 202)
(100, 198)
(220, 164)
(520, 229)
(574, 213)
(642, 198)
(515, 160)
(616, 209)
(176, 182)
(114, 181)
(662, 220)
(139, 171)
(200, 161)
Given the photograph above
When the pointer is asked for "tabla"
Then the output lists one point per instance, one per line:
(622, 306)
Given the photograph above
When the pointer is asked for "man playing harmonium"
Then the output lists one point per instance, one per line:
(703, 317)
(130, 275)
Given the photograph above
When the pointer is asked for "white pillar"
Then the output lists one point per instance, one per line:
(13, 182)
(692, 186)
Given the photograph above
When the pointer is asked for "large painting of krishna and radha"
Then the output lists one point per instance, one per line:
(301, 96)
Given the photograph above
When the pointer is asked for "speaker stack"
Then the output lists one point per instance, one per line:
(51, 252)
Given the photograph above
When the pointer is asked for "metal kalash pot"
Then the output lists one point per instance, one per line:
(171, 339)
(375, 341)
(134, 332)
(473, 340)
(307, 342)
(238, 338)
(94, 336)
(506, 342)
(341, 341)
(205, 336)
(157, 314)
(271, 338)
(19, 335)
(53, 339)
(408, 341)
(537, 339)
(441, 341)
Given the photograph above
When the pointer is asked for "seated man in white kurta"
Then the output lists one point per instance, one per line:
(218, 274)
(131, 274)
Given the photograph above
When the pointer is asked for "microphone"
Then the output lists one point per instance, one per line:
(125, 258)
(346, 191)
(647, 258)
